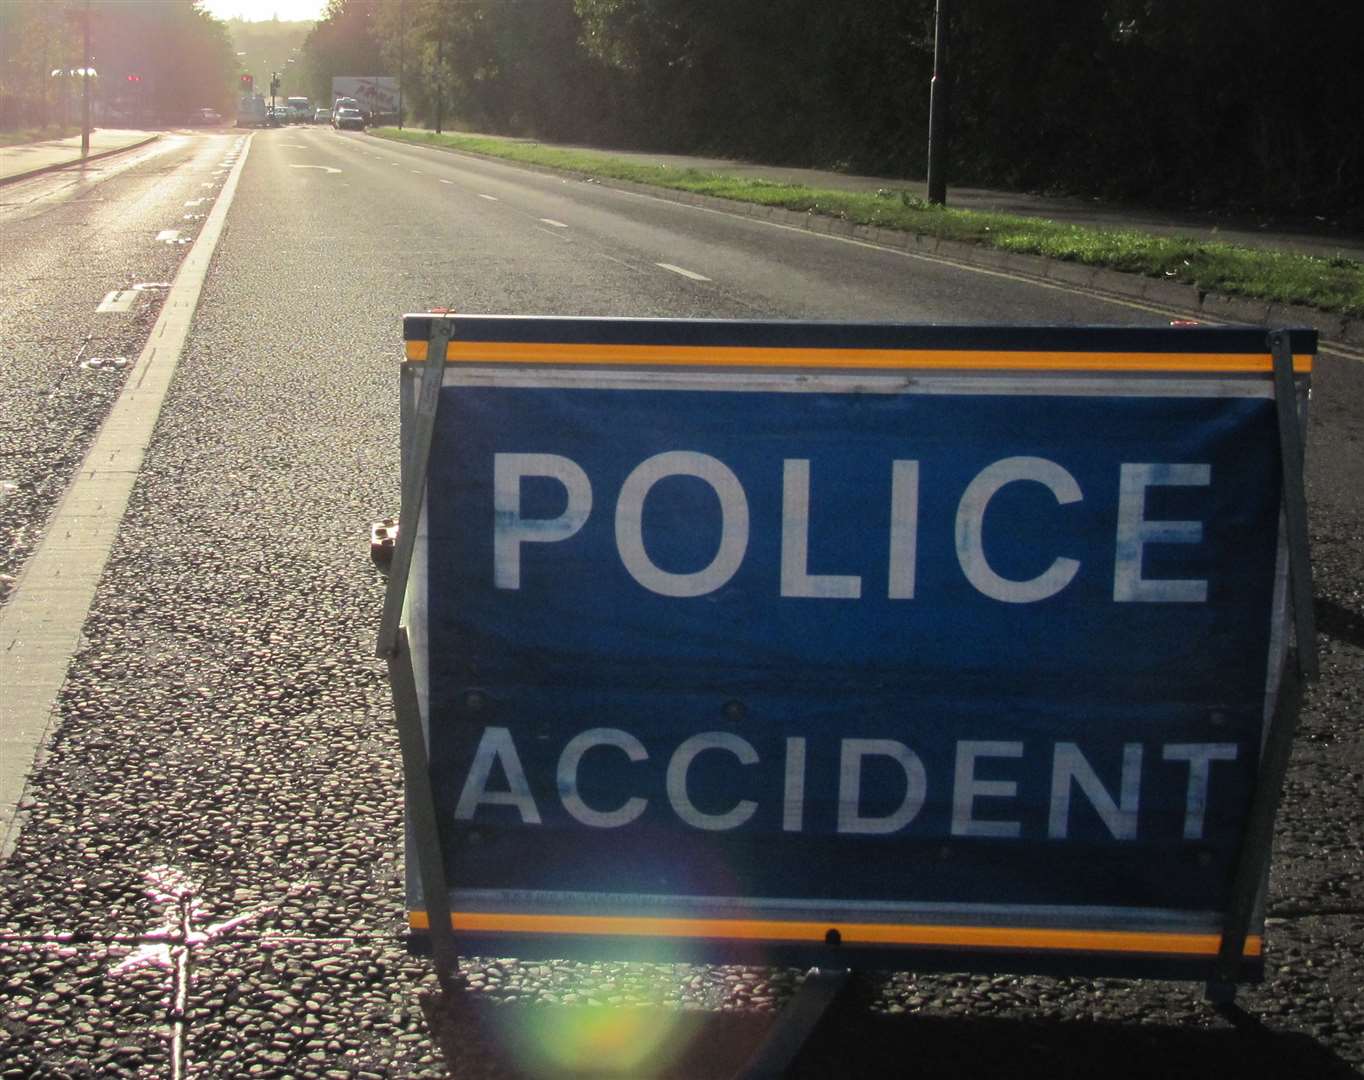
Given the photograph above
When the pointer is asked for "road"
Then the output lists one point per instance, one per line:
(225, 759)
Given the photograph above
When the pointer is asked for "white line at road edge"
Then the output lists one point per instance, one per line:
(685, 273)
(40, 626)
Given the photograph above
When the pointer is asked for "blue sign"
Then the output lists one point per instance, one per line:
(756, 652)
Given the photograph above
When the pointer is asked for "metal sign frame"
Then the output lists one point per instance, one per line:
(1281, 359)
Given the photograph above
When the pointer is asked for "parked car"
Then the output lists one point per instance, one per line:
(322, 116)
(349, 118)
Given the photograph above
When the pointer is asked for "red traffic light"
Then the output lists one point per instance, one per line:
(134, 78)
(247, 82)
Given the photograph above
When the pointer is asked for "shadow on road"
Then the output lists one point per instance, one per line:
(478, 1038)
(1337, 621)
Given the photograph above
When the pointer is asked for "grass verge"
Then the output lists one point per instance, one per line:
(37, 134)
(1328, 284)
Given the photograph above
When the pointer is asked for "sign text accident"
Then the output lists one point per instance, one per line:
(738, 640)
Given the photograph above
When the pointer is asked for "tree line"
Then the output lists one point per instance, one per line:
(154, 61)
(1248, 105)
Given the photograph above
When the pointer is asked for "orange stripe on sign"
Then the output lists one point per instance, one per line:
(976, 937)
(530, 352)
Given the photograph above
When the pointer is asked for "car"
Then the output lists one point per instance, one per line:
(349, 118)
(208, 116)
(322, 116)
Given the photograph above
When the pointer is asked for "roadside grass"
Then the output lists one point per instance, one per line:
(16, 136)
(1328, 284)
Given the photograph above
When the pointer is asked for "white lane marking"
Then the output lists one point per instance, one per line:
(208, 183)
(685, 273)
(395, 163)
(490, 198)
(416, 172)
(39, 634)
(324, 168)
(169, 236)
(195, 202)
(294, 145)
(447, 181)
(556, 224)
(118, 301)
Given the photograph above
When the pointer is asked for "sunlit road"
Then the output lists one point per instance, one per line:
(486, 237)
(68, 241)
(226, 769)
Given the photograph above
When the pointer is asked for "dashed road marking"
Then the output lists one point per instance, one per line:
(447, 181)
(117, 302)
(556, 224)
(169, 236)
(490, 198)
(684, 272)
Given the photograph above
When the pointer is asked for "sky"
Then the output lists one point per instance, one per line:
(264, 10)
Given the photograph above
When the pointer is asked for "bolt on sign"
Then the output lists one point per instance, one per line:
(932, 647)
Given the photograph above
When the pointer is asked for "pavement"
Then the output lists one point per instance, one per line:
(30, 159)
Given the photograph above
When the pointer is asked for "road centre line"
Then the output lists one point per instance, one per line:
(119, 301)
(684, 272)
(41, 624)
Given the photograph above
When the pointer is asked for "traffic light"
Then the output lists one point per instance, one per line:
(248, 83)
(134, 78)
(274, 84)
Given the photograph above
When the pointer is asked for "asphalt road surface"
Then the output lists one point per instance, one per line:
(225, 771)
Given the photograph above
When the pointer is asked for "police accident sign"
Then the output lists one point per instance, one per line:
(741, 640)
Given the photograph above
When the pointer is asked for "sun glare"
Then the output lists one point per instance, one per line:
(265, 10)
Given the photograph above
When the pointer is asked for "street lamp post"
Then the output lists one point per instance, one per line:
(85, 83)
(937, 107)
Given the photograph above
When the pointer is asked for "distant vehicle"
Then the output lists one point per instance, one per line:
(208, 116)
(322, 116)
(300, 109)
(349, 118)
(277, 116)
(345, 103)
(374, 95)
(251, 111)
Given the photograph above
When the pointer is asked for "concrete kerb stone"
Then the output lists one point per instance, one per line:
(1328, 325)
(1237, 309)
(1173, 294)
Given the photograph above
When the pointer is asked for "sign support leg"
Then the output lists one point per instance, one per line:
(1248, 885)
(393, 647)
(795, 1023)
(421, 811)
